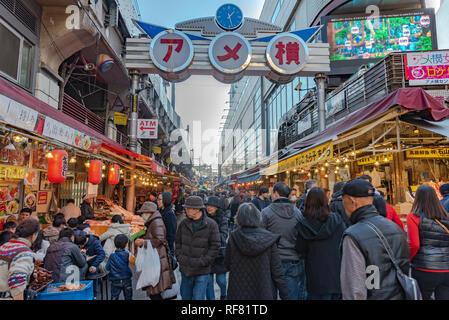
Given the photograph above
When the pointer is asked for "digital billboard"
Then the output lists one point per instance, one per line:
(366, 38)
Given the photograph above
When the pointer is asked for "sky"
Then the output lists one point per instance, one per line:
(199, 98)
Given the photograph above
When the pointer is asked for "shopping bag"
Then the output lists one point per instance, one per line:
(150, 266)
(171, 293)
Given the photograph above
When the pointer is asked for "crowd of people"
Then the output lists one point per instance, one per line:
(347, 245)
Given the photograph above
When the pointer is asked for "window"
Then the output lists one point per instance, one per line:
(293, 26)
(16, 56)
(276, 11)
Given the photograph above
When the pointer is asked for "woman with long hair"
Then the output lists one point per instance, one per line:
(319, 235)
(428, 237)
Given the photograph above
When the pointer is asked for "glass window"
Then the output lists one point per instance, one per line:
(25, 70)
(276, 11)
(9, 63)
(293, 26)
(290, 96)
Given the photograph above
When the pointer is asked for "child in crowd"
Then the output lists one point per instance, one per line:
(119, 272)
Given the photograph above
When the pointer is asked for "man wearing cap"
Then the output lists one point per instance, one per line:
(197, 245)
(444, 190)
(367, 272)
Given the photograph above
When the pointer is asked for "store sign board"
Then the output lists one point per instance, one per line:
(373, 159)
(287, 54)
(16, 114)
(147, 128)
(42, 198)
(307, 158)
(157, 168)
(428, 153)
(12, 172)
(230, 53)
(427, 68)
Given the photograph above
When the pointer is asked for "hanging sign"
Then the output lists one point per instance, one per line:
(120, 119)
(147, 128)
(427, 68)
(230, 53)
(12, 172)
(428, 153)
(373, 159)
(118, 105)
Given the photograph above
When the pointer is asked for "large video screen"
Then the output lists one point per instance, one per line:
(354, 38)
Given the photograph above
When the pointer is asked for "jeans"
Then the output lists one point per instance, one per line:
(117, 286)
(194, 288)
(295, 276)
(432, 282)
(221, 281)
(317, 296)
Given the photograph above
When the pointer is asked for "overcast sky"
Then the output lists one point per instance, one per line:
(199, 98)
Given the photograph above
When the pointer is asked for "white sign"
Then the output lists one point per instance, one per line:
(147, 128)
(17, 114)
(304, 124)
(59, 131)
(230, 53)
(287, 54)
(355, 30)
(92, 190)
(403, 41)
(172, 51)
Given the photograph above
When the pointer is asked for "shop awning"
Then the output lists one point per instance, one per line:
(410, 99)
(249, 178)
(440, 127)
(121, 151)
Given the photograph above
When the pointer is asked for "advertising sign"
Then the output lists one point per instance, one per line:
(427, 68)
(287, 53)
(120, 119)
(373, 159)
(428, 153)
(147, 128)
(336, 104)
(230, 53)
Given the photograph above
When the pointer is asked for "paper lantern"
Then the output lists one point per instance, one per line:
(105, 63)
(114, 174)
(95, 171)
(58, 164)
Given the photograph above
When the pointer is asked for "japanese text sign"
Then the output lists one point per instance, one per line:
(230, 53)
(373, 159)
(287, 53)
(147, 129)
(427, 68)
(172, 51)
(428, 153)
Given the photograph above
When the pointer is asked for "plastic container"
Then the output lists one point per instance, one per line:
(87, 293)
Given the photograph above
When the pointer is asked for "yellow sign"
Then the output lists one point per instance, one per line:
(312, 156)
(373, 159)
(11, 172)
(157, 150)
(120, 119)
(428, 153)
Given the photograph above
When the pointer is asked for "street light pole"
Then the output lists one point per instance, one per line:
(320, 80)
(135, 77)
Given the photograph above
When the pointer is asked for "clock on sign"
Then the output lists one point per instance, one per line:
(229, 17)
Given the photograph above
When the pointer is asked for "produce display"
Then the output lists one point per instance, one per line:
(42, 278)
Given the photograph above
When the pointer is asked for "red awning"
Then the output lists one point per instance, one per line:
(24, 97)
(121, 151)
(411, 99)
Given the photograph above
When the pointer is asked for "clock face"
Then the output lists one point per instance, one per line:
(229, 17)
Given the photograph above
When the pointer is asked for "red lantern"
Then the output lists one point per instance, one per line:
(114, 174)
(58, 164)
(95, 171)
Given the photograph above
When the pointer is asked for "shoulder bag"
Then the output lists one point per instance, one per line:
(408, 284)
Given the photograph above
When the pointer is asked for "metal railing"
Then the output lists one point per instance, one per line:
(76, 110)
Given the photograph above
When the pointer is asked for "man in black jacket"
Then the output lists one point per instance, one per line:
(86, 208)
(336, 204)
(63, 255)
(367, 272)
(262, 201)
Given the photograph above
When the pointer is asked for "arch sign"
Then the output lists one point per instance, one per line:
(227, 46)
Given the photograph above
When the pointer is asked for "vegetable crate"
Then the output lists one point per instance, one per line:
(87, 293)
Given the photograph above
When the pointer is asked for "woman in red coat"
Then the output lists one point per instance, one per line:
(393, 216)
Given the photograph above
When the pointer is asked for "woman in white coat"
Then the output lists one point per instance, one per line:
(117, 227)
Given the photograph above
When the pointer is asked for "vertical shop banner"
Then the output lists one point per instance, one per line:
(175, 190)
(147, 128)
(427, 68)
(92, 190)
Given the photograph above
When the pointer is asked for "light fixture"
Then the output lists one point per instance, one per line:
(87, 164)
(377, 163)
(326, 176)
(338, 161)
(346, 166)
(386, 159)
(103, 167)
(102, 175)
(352, 153)
(316, 170)
(326, 164)
(336, 172)
(135, 176)
(294, 170)
(72, 160)
(322, 168)
(49, 155)
(416, 130)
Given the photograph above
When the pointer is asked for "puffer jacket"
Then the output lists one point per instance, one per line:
(86, 210)
(336, 205)
(94, 248)
(255, 269)
(281, 217)
(156, 233)
(114, 230)
(60, 255)
(196, 252)
(222, 221)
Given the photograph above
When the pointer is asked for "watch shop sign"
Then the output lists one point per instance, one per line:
(147, 128)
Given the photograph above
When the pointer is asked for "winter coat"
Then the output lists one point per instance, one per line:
(119, 269)
(114, 230)
(60, 255)
(156, 233)
(336, 205)
(94, 248)
(254, 264)
(300, 203)
(260, 204)
(281, 217)
(15, 277)
(220, 218)
(196, 252)
(320, 243)
(393, 216)
(445, 202)
(70, 211)
(86, 210)
(171, 224)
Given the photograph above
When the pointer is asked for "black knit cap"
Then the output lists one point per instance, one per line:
(358, 188)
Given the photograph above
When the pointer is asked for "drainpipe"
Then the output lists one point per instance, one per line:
(320, 80)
